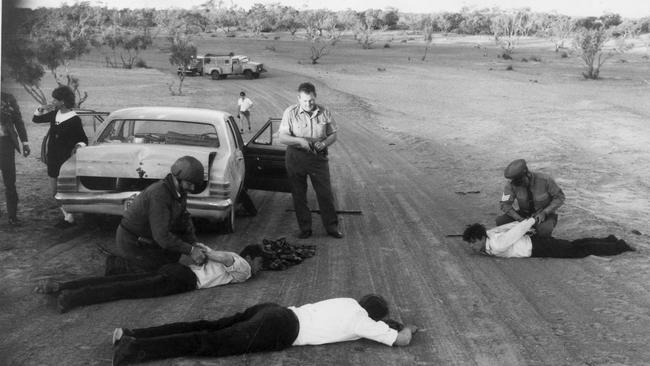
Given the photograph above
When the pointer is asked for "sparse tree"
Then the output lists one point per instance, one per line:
(591, 46)
(509, 27)
(320, 26)
(558, 28)
(428, 27)
(368, 22)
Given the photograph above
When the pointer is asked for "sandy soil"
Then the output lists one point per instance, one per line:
(414, 136)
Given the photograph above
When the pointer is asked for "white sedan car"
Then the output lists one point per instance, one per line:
(136, 147)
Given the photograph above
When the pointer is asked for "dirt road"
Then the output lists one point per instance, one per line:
(472, 310)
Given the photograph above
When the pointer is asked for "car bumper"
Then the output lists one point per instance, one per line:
(116, 204)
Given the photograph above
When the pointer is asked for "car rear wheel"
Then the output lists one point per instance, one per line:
(215, 75)
(248, 74)
(256, 75)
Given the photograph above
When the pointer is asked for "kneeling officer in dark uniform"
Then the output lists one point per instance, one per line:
(537, 196)
(157, 229)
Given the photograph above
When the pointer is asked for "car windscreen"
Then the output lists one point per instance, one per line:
(138, 131)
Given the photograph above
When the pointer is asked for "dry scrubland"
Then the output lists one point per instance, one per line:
(414, 136)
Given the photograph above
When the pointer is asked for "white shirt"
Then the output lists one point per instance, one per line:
(339, 320)
(510, 240)
(244, 104)
(216, 274)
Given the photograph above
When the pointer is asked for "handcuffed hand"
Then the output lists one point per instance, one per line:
(319, 146)
(539, 217)
(198, 256)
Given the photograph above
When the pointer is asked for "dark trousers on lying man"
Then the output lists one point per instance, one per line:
(579, 248)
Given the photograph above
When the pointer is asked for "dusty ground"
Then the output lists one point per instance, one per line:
(413, 135)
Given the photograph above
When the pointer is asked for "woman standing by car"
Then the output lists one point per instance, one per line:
(66, 134)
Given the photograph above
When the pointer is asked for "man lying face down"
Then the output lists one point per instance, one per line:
(265, 327)
(220, 268)
(514, 240)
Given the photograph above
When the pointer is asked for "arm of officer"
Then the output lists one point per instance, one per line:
(159, 218)
(507, 199)
(285, 136)
(558, 197)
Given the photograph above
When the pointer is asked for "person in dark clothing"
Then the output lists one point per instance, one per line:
(536, 194)
(265, 327)
(13, 136)
(156, 229)
(221, 268)
(515, 241)
(65, 135)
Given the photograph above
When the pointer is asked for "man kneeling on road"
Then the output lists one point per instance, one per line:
(264, 327)
(537, 196)
(221, 268)
(157, 229)
(514, 241)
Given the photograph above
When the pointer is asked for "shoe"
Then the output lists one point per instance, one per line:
(335, 234)
(241, 130)
(117, 335)
(64, 224)
(47, 286)
(13, 221)
(63, 304)
(303, 234)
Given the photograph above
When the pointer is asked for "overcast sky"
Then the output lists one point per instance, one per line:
(627, 8)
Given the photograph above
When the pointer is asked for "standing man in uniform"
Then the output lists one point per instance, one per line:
(537, 195)
(308, 129)
(157, 229)
(244, 103)
(12, 128)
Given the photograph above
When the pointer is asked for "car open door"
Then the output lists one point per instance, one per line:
(264, 156)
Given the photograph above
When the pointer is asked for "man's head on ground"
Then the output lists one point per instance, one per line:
(517, 173)
(475, 235)
(307, 96)
(189, 173)
(375, 305)
(254, 255)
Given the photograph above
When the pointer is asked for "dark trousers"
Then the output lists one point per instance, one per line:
(168, 280)
(579, 248)
(301, 164)
(263, 327)
(543, 230)
(142, 257)
(8, 167)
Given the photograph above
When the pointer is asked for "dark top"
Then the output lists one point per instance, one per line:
(63, 137)
(12, 121)
(160, 213)
(547, 196)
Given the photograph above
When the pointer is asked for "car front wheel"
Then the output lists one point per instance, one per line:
(248, 74)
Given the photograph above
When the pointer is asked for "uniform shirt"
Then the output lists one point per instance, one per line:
(11, 121)
(160, 213)
(244, 104)
(547, 195)
(214, 273)
(510, 240)
(339, 320)
(314, 126)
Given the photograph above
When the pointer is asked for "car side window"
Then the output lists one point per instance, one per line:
(269, 136)
(227, 62)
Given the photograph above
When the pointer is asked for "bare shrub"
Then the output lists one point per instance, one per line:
(590, 45)
(509, 68)
(535, 58)
(509, 27)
